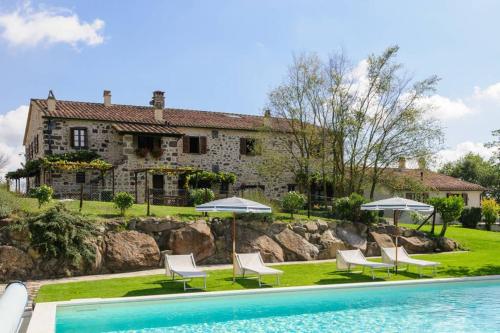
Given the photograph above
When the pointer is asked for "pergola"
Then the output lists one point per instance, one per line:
(156, 171)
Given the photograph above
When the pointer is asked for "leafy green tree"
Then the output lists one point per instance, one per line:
(43, 194)
(449, 208)
(123, 201)
(475, 169)
(293, 201)
(201, 195)
(490, 212)
(349, 208)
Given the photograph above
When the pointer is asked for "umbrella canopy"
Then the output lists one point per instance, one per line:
(234, 205)
(397, 203)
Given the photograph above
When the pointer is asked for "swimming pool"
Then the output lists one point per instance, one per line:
(456, 306)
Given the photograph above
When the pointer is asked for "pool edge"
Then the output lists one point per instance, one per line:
(43, 319)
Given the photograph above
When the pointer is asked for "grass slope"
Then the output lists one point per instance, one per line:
(482, 259)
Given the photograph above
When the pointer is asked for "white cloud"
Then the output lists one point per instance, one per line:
(462, 149)
(29, 27)
(12, 126)
(444, 108)
(490, 94)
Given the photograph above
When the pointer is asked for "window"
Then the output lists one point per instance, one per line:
(194, 144)
(224, 188)
(79, 137)
(417, 196)
(250, 146)
(215, 168)
(36, 144)
(215, 134)
(80, 177)
(148, 142)
(291, 187)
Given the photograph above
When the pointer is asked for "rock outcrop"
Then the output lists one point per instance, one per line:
(296, 247)
(193, 238)
(130, 250)
(14, 264)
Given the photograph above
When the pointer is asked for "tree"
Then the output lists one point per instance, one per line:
(351, 129)
(450, 209)
(43, 194)
(292, 202)
(475, 169)
(123, 201)
(490, 212)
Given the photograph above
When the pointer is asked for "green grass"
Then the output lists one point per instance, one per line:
(105, 210)
(482, 259)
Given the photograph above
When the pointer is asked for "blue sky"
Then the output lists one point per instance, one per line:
(226, 55)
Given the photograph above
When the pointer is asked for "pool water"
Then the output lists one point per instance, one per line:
(436, 307)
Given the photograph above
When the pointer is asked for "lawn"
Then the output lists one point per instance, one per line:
(482, 259)
(105, 210)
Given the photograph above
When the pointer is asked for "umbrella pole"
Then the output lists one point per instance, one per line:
(397, 233)
(234, 247)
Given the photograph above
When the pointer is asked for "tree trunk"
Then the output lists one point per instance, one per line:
(443, 230)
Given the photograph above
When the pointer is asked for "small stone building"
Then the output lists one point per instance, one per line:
(140, 137)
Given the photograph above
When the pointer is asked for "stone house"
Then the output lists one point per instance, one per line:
(134, 137)
(420, 184)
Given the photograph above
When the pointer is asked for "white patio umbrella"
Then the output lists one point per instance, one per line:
(234, 205)
(397, 205)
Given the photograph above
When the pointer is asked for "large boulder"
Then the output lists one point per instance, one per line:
(417, 244)
(330, 245)
(447, 244)
(130, 250)
(353, 234)
(14, 264)
(249, 240)
(383, 240)
(193, 238)
(150, 225)
(296, 247)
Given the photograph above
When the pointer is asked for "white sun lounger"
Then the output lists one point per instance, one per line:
(348, 259)
(252, 263)
(184, 266)
(389, 256)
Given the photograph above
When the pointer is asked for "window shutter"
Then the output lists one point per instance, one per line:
(185, 144)
(72, 137)
(203, 144)
(243, 146)
(86, 138)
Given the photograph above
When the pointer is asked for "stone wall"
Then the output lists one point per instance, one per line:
(143, 245)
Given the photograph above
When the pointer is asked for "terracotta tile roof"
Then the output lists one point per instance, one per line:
(437, 181)
(145, 115)
(146, 128)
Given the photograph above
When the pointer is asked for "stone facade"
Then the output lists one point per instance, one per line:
(222, 153)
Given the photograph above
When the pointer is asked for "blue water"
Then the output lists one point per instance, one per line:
(437, 307)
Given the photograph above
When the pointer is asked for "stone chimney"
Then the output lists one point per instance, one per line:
(402, 163)
(158, 103)
(51, 102)
(267, 113)
(107, 97)
(422, 163)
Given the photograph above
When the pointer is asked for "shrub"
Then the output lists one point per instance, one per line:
(470, 217)
(201, 195)
(123, 201)
(450, 209)
(349, 208)
(293, 201)
(8, 202)
(43, 194)
(490, 212)
(58, 233)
